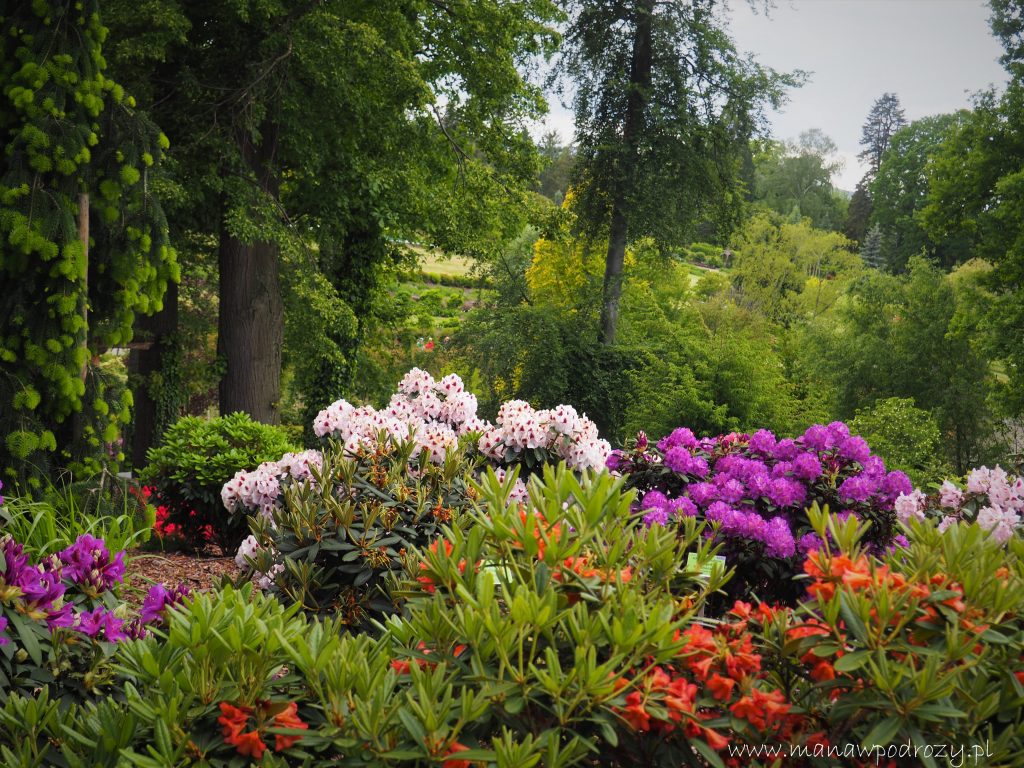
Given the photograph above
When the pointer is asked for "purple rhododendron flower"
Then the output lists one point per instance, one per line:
(654, 500)
(718, 512)
(703, 493)
(855, 449)
(3, 628)
(807, 467)
(159, 598)
(101, 621)
(679, 438)
(785, 492)
(762, 442)
(896, 483)
(778, 539)
(730, 490)
(786, 450)
(857, 488)
(809, 542)
(88, 562)
(615, 461)
(819, 438)
(782, 469)
(656, 516)
(683, 506)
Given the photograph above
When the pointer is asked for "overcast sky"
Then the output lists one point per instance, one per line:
(932, 53)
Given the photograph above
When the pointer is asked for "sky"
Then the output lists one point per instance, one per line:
(933, 54)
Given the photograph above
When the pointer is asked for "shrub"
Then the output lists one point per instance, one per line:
(341, 524)
(992, 498)
(924, 648)
(565, 632)
(207, 689)
(754, 489)
(60, 618)
(905, 436)
(194, 460)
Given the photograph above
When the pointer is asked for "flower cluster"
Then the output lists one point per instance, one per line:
(41, 591)
(717, 675)
(247, 554)
(234, 721)
(434, 414)
(992, 498)
(754, 490)
(88, 563)
(260, 489)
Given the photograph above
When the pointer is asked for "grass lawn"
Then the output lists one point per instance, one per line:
(437, 263)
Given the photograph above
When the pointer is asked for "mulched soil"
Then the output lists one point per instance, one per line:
(198, 572)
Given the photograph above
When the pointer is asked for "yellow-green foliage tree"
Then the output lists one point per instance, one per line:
(83, 244)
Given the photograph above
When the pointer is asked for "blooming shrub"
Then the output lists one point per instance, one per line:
(435, 414)
(194, 460)
(992, 498)
(755, 489)
(923, 648)
(59, 618)
(341, 521)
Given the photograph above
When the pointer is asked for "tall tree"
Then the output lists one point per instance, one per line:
(83, 240)
(796, 178)
(976, 190)
(312, 135)
(664, 105)
(899, 192)
(885, 118)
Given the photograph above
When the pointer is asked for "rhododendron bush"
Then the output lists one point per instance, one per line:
(991, 498)
(436, 417)
(754, 490)
(60, 617)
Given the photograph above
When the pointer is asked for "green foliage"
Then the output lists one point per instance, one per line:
(111, 509)
(905, 436)
(899, 193)
(336, 538)
(916, 336)
(194, 460)
(795, 180)
(788, 270)
(74, 149)
(934, 635)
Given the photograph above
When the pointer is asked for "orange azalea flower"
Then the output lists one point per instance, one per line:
(287, 719)
(233, 719)
(454, 762)
(635, 714)
(715, 740)
(721, 687)
(249, 745)
(823, 671)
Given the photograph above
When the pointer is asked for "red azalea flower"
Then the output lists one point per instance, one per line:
(454, 762)
(250, 745)
(721, 687)
(287, 719)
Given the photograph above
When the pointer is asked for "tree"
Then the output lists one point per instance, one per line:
(796, 177)
(871, 248)
(899, 192)
(83, 240)
(976, 193)
(785, 271)
(558, 160)
(312, 136)
(664, 107)
(858, 214)
(885, 118)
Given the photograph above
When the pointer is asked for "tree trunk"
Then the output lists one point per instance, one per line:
(151, 417)
(633, 127)
(617, 234)
(251, 318)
